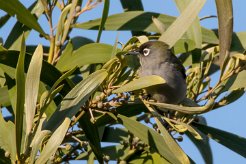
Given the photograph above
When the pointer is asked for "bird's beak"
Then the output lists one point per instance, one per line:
(133, 52)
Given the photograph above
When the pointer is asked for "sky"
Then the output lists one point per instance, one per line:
(229, 118)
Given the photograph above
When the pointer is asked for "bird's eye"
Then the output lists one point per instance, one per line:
(146, 52)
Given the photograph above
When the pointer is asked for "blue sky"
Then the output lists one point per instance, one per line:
(229, 118)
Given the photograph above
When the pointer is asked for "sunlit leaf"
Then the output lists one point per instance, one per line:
(8, 59)
(140, 21)
(236, 81)
(14, 38)
(150, 137)
(54, 142)
(185, 20)
(7, 137)
(32, 87)
(4, 97)
(87, 54)
(225, 17)
(194, 31)
(73, 101)
(141, 83)
(22, 14)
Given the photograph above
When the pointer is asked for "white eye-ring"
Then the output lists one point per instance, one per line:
(146, 52)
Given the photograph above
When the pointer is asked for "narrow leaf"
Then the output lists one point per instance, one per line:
(194, 31)
(20, 100)
(132, 5)
(7, 137)
(14, 7)
(54, 142)
(14, 38)
(32, 87)
(91, 133)
(103, 19)
(159, 25)
(150, 137)
(141, 21)
(187, 17)
(236, 81)
(73, 101)
(4, 97)
(225, 16)
(142, 82)
(229, 140)
(9, 59)
(202, 145)
(185, 109)
(86, 54)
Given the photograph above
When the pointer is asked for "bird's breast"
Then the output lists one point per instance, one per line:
(174, 90)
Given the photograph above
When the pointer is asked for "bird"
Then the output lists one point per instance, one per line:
(156, 58)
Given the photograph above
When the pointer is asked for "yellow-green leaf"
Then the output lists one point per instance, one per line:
(142, 82)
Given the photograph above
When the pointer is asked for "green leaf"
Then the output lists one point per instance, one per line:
(131, 109)
(91, 133)
(141, 21)
(194, 31)
(141, 83)
(20, 101)
(229, 98)
(14, 38)
(73, 101)
(225, 17)
(8, 60)
(32, 87)
(68, 19)
(87, 54)
(150, 137)
(148, 158)
(184, 109)
(14, 7)
(131, 5)
(7, 137)
(61, 23)
(3, 158)
(103, 19)
(202, 145)
(236, 81)
(185, 20)
(132, 20)
(54, 142)
(171, 143)
(4, 97)
(159, 25)
(210, 36)
(184, 45)
(114, 134)
(229, 140)
(78, 42)
(238, 42)
(4, 19)
(115, 152)
(37, 140)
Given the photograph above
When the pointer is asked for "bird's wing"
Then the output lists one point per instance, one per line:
(178, 65)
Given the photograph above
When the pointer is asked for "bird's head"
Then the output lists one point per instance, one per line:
(153, 52)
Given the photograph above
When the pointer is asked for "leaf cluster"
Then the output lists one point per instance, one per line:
(68, 98)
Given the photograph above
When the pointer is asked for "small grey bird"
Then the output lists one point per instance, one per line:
(157, 59)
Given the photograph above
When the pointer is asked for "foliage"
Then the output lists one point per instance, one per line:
(65, 102)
